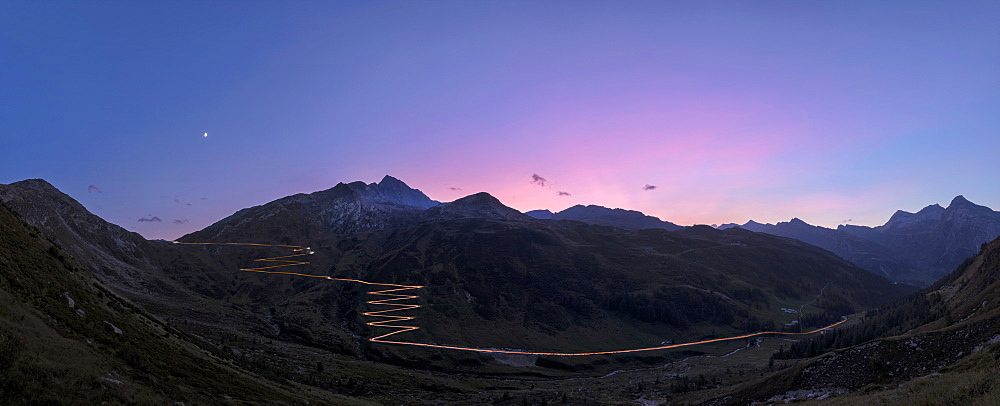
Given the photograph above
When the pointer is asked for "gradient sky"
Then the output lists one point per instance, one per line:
(769, 110)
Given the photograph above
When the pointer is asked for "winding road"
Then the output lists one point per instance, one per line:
(395, 295)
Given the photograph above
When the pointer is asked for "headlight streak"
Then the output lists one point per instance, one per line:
(394, 296)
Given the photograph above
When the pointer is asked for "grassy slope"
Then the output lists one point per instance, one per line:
(560, 275)
(51, 353)
(964, 320)
(971, 294)
(530, 286)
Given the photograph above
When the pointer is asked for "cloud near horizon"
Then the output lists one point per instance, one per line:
(649, 187)
(538, 180)
(180, 221)
(561, 193)
(92, 188)
(149, 219)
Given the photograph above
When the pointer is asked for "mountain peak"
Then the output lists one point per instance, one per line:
(479, 205)
(621, 218)
(934, 208)
(388, 180)
(899, 214)
(393, 190)
(35, 184)
(38, 189)
(544, 214)
(797, 221)
(962, 205)
(755, 226)
(580, 211)
(960, 201)
(479, 199)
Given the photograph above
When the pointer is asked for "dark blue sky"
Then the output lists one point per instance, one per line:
(734, 110)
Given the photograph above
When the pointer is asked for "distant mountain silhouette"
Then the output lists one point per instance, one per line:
(916, 248)
(599, 215)
(935, 239)
(866, 254)
(540, 214)
(479, 205)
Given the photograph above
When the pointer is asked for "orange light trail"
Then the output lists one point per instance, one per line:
(395, 296)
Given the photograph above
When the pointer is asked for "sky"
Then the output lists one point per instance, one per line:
(694, 112)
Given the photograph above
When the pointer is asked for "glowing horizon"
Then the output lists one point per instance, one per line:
(733, 111)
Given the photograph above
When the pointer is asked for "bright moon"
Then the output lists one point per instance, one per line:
(206, 134)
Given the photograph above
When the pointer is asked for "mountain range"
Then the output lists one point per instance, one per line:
(621, 218)
(527, 282)
(492, 256)
(935, 239)
(588, 278)
(914, 248)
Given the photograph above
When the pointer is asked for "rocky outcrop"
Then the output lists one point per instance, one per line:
(891, 361)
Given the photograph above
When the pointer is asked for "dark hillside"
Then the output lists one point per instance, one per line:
(603, 216)
(543, 286)
(943, 330)
(66, 338)
(118, 257)
(866, 254)
(571, 286)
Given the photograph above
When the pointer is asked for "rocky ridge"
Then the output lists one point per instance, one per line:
(599, 215)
